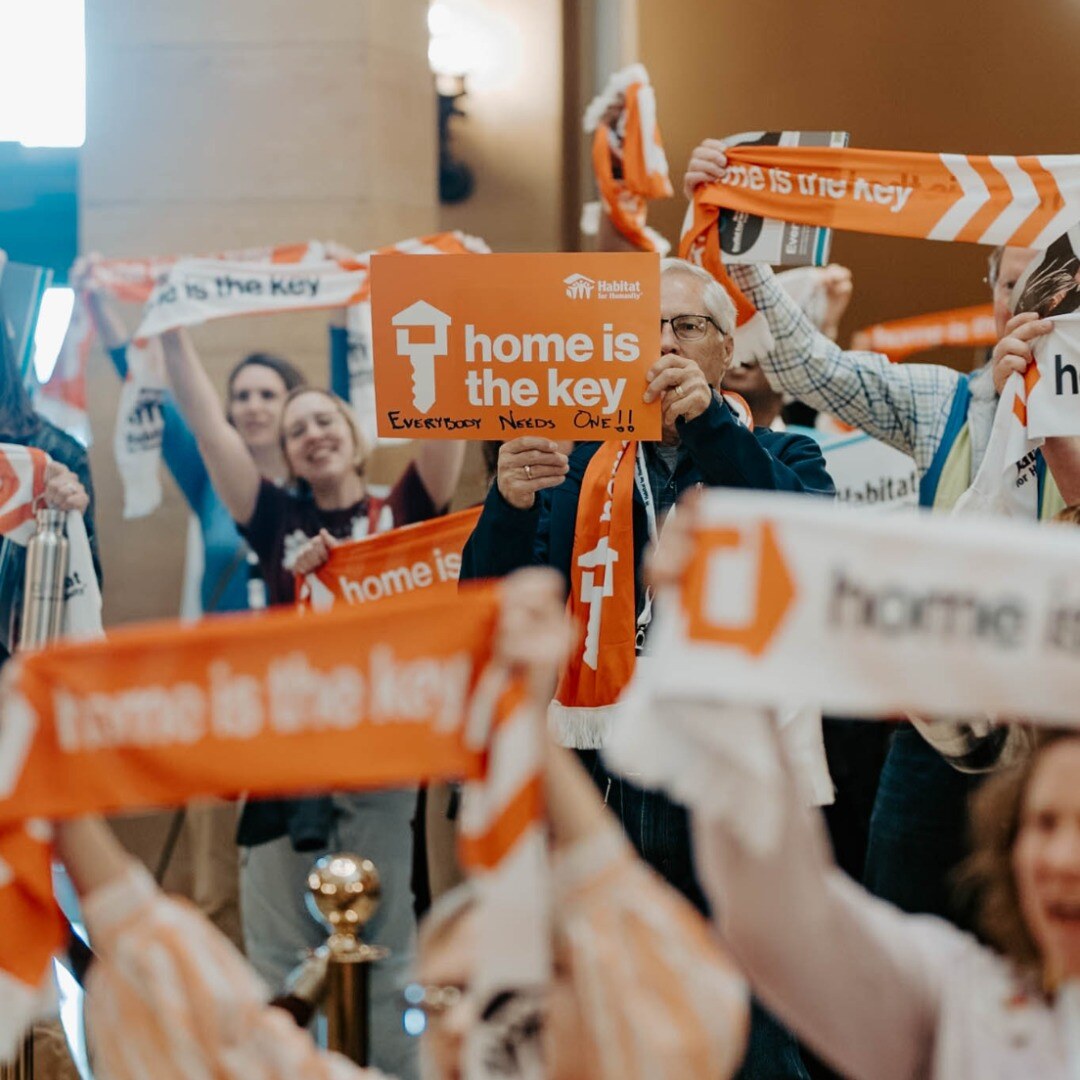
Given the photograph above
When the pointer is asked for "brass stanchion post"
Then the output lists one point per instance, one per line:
(344, 895)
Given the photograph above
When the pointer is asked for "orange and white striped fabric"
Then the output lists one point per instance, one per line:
(503, 847)
(700, 244)
(169, 997)
(189, 290)
(25, 851)
(967, 327)
(628, 156)
(22, 484)
(985, 199)
(287, 703)
(291, 277)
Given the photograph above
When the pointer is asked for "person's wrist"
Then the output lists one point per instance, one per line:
(518, 502)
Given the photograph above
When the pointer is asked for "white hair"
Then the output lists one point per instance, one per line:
(713, 295)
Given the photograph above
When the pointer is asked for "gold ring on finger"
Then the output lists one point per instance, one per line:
(528, 472)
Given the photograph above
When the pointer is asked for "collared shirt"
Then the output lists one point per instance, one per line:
(904, 405)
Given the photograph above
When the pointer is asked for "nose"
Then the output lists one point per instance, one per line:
(1063, 851)
(669, 343)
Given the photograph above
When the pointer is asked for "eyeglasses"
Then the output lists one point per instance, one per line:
(433, 1000)
(690, 327)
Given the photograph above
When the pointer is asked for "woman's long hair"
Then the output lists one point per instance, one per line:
(17, 417)
(997, 811)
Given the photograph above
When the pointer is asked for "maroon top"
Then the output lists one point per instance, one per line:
(283, 522)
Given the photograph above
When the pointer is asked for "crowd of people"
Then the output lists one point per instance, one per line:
(942, 937)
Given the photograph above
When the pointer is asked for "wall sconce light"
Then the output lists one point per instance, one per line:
(452, 56)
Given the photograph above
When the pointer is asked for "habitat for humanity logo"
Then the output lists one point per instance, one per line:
(580, 287)
(421, 337)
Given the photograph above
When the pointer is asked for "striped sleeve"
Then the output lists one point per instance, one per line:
(658, 995)
(170, 998)
(904, 405)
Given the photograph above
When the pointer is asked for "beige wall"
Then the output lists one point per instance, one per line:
(511, 136)
(917, 75)
(214, 125)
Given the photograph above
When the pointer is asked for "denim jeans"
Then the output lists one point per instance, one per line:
(919, 829)
(278, 928)
(660, 832)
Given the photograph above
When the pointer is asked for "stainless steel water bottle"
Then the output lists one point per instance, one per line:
(46, 568)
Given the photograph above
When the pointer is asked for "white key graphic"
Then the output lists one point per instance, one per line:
(421, 354)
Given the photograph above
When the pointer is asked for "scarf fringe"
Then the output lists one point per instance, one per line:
(581, 728)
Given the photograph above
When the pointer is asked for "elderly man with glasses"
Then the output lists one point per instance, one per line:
(530, 517)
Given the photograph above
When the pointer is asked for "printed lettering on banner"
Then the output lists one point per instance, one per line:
(1053, 400)
(509, 345)
(748, 238)
(157, 715)
(786, 602)
(1023, 201)
(866, 472)
(423, 558)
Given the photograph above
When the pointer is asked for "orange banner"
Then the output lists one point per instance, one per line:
(273, 705)
(996, 199)
(506, 345)
(423, 558)
(898, 339)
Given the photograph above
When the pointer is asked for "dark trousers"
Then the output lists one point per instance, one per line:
(919, 830)
(660, 832)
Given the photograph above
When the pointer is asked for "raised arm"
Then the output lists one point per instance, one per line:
(903, 405)
(854, 977)
(688, 1008)
(439, 463)
(170, 996)
(232, 470)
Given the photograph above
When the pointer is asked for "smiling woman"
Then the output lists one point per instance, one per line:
(329, 499)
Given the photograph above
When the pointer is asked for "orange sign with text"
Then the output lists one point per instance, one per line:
(277, 704)
(499, 346)
(422, 558)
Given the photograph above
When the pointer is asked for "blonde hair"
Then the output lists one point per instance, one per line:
(359, 441)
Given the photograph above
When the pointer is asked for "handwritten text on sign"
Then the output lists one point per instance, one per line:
(508, 345)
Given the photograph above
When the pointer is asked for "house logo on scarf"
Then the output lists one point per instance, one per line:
(739, 588)
(420, 349)
(579, 287)
(597, 583)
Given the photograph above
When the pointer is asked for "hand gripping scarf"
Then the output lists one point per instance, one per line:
(282, 704)
(189, 290)
(628, 157)
(603, 596)
(996, 199)
(1045, 400)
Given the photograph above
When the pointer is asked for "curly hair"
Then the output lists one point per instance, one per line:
(997, 811)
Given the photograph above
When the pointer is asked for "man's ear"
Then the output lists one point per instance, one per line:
(727, 354)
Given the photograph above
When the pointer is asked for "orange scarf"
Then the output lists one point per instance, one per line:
(700, 244)
(628, 156)
(900, 338)
(1019, 201)
(603, 596)
(284, 703)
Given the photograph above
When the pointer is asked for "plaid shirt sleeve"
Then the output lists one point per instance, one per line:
(904, 405)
